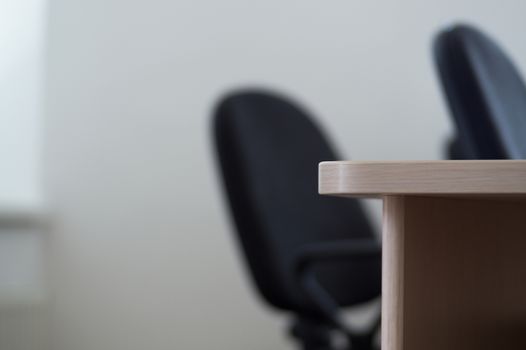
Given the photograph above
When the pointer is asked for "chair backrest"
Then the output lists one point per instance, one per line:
(268, 151)
(485, 92)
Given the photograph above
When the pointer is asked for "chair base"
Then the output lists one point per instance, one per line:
(312, 334)
(316, 334)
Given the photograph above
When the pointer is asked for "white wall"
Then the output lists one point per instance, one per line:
(142, 252)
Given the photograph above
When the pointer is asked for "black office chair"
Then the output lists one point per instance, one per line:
(486, 95)
(308, 255)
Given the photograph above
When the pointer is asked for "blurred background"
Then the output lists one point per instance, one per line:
(113, 230)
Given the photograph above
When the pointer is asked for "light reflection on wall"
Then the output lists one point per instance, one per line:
(23, 292)
(21, 63)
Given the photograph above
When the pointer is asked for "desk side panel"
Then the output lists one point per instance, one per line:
(464, 274)
(393, 273)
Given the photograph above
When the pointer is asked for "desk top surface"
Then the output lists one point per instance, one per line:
(450, 178)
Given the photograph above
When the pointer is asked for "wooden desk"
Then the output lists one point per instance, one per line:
(454, 249)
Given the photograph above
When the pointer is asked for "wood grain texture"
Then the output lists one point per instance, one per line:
(393, 273)
(454, 259)
(454, 275)
(477, 178)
